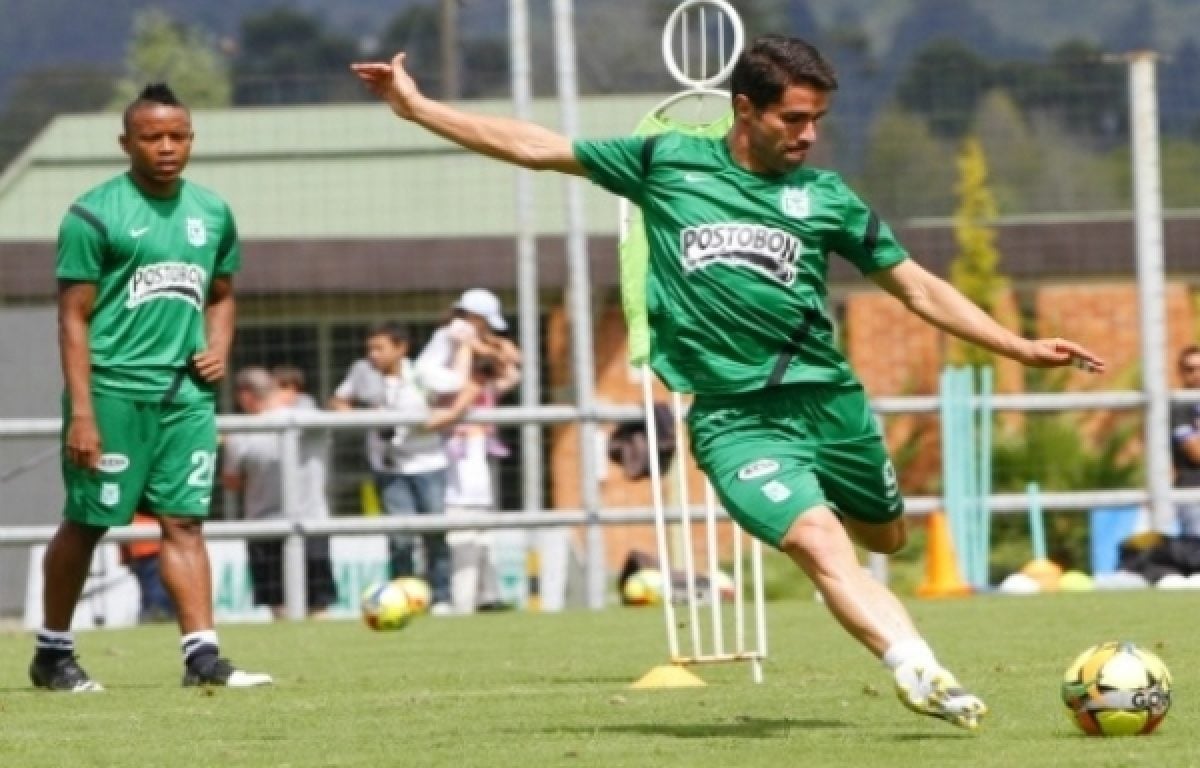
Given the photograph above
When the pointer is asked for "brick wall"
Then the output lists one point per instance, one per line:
(895, 353)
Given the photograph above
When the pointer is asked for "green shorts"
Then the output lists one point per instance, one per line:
(772, 455)
(154, 458)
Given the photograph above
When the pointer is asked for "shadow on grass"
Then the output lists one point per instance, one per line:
(742, 727)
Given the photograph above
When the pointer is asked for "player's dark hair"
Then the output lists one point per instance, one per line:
(393, 330)
(153, 94)
(772, 63)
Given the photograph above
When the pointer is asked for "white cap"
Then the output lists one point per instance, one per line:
(484, 303)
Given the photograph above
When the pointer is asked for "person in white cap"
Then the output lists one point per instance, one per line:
(475, 321)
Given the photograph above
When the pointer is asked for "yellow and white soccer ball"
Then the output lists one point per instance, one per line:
(420, 596)
(1117, 689)
(643, 587)
(387, 606)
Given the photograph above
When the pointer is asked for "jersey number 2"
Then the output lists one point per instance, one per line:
(204, 466)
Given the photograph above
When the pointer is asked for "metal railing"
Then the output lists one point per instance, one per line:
(293, 530)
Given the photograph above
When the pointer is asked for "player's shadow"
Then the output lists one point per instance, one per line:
(741, 728)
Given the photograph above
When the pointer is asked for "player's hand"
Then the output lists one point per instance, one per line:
(83, 442)
(1057, 353)
(390, 82)
(209, 366)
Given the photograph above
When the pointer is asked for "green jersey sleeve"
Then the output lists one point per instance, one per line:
(229, 251)
(82, 242)
(863, 239)
(619, 165)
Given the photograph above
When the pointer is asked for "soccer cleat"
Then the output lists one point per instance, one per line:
(933, 691)
(62, 674)
(220, 672)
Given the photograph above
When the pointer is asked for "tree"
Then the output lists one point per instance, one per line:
(163, 50)
(1012, 155)
(974, 270)
(945, 83)
(907, 171)
(288, 57)
(483, 61)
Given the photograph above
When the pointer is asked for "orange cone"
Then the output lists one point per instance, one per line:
(942, 578)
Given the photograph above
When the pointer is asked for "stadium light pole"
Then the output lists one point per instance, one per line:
(527, 268)
(579, 306)
(1148, 229)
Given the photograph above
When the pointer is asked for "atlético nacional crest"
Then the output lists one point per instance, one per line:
(196, 234)
(794, 202)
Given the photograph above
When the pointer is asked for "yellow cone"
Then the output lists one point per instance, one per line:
(668, 676)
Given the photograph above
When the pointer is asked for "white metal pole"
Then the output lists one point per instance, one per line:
(580, 307)
(1147, 202)
(295, 585)
(660, 522)
(527, 271)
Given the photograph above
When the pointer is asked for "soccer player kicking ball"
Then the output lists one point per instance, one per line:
(740, 233)
(145, 310)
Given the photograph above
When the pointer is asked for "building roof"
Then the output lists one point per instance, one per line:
(318, 172)
(349, 199)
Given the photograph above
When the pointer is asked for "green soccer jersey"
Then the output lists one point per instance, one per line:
(152, 260)
(738, 261)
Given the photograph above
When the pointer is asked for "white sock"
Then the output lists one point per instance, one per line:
(910, 649)
(54, 640)
(204, 641)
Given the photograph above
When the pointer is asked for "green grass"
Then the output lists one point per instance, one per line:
(552, 690)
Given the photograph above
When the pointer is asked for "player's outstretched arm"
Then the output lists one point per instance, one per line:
(941, 305)
(513, 141)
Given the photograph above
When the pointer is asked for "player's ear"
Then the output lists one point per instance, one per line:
(743, 108)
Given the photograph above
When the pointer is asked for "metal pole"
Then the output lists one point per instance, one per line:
(579, 307)
(1148, 226)
(449, 50)
(527, 277)
(295, 586)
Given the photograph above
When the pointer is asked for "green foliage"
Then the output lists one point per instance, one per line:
(163, 50)
(1059, 452)
(974, 271)
(908, 172)
(289, 57)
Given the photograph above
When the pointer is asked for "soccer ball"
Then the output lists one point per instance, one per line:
(643, 588)
(1117, 689)
(420, 596)
(387, 606)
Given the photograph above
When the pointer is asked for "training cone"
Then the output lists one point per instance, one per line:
(668, 676)
(942, 578)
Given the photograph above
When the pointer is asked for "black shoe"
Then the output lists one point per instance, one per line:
(62, 674)
(215, 671)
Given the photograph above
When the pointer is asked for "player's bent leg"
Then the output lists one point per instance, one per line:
(882, 538)
(819, 544)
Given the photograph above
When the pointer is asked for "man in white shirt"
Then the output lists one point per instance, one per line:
(408, 462)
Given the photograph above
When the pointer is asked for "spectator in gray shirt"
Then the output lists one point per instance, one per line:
(408, 462)
(252, 468)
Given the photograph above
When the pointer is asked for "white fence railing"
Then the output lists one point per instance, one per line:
(293, 530)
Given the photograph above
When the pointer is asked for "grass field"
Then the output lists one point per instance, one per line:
(550, 690)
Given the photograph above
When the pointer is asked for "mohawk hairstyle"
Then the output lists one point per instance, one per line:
(152, 94)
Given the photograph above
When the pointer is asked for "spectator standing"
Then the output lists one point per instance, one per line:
(253, 469)
(408, 463)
